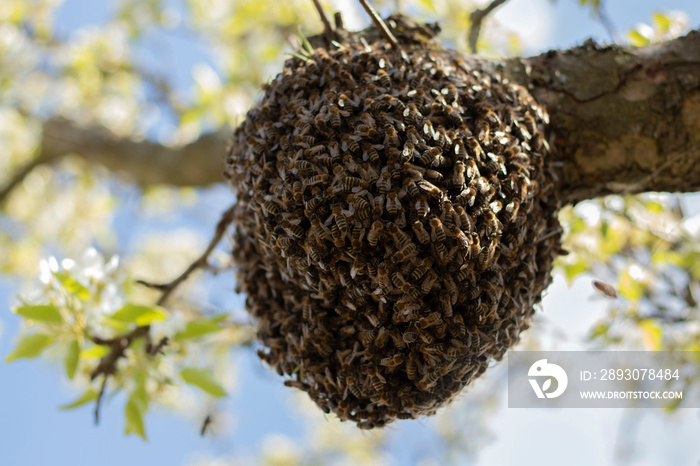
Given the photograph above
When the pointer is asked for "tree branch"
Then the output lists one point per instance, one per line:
(623, 120)
(146, 163)
(477, 18)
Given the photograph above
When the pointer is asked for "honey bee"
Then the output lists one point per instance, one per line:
(350, 183)
(270, 207)
(412, 115)
(378, 206)
(355, 391)
(297, 191)
(429, 188)
(411, 372)
(451, 288)
(530, 124)
(397, 279)
(422, 268)
(409, 337)
(422, 235)
(320, 230)
(401, 239)
(430, 320)
(339, 218)
(375, 233)
(457, 328)
(408, 251)
(285, 242)
(487, 254)
(382, 337)
(428, 282)
(337, 235)
(392, 137)
(360, 205)
(457, 180)
(392, 202)
(384, 182)
(408, 151)
(422, 207)
(383, 276)
(446, 304)
(294, 230)
(378, 386)
(384, 79)
(372, 154)
(437, 232)
(393, 361)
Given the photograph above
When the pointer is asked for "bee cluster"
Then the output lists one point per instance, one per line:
(396, 224)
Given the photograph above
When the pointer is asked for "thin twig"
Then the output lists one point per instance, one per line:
(477, 18)
(327, 28)
(119, 344)
(201, 262)
(606, 22)
(205, 425)
(98, 401)
(381, 25)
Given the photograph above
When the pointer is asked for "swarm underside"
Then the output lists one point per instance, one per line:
(396, 224)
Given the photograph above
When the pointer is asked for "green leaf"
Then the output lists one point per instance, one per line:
(199, 328)
(629, 287)
(40, 313)
(599, 330)
(135, 411)
(140, 315)
(89, 395)
(652, 335)
(72, 286)
(30, 346)
(94, 352)
(305, 42)
(204, 380)
(72, 358)
(572, 270)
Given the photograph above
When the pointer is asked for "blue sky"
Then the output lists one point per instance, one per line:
(34, 432)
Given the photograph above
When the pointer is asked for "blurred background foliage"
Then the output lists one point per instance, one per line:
(120, 75)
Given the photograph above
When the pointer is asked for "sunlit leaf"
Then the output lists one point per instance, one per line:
(629, 287)
(94, 352)
(40, 313)
(199, 328)
(652, 334)
(135, 411)
(72, 358)
(572, 270)
(89, 395)
(73, 286)
(140, 315)
(599, 330)
(30, 346)
(203, 379)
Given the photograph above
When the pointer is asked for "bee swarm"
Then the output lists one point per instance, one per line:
(396, 224)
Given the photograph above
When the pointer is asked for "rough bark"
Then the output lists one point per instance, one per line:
(623, 120)
(196, 164)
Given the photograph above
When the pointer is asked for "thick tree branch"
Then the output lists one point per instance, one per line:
(623, 120)
(196, 164)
